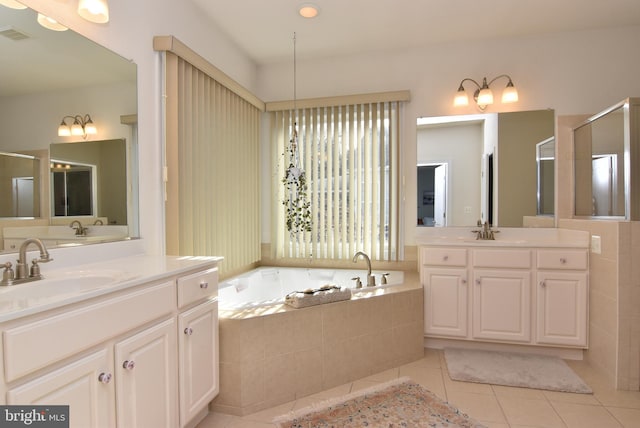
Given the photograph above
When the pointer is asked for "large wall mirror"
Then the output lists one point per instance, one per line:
(47, 75)
(481, 167)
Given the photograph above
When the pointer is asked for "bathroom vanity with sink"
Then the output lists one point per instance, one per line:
(526, 287)
(125, 343)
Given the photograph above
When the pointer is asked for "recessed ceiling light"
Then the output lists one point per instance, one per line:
(308, 10)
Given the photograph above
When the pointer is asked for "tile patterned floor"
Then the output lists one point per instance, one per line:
(494, 406)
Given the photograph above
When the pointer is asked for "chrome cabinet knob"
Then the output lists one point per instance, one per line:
(188, 331)
(204, 285)
(104, 378)
(128, 364)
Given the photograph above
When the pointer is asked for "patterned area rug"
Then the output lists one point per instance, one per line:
(399, 403)
(513, 369)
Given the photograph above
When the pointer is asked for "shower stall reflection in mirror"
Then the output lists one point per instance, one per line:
(432, 194)
(73, 189)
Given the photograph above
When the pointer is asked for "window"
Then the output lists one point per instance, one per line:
(212, 149)
(350, 156)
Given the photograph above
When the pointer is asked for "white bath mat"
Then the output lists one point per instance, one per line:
(513, 369)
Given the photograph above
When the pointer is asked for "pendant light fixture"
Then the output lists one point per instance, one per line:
(94, 10)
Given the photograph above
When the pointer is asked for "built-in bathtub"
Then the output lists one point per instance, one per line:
(271, 353)
(268, 286)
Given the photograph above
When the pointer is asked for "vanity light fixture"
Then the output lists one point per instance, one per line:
(483, 94)
(50, 23)
(94, 10)
(81, 126)
(308, 10)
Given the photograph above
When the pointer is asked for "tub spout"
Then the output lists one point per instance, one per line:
(371, 280)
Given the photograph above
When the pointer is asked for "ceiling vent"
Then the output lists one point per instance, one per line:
(13, 34)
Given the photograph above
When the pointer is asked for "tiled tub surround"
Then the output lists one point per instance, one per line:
(270, 355)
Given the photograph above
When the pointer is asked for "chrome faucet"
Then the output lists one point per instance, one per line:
(80, 230)
(485, 233)
(371, 280)
(20, 275)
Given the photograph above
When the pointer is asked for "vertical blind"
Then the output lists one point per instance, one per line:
(212, 157)
(350, 157)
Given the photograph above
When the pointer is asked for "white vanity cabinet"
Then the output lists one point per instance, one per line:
(146, 378)
(562, 297)
(501, 294)
(517, 295)
(444, 277)
(122, 359)
(198, 342)
(91, 402)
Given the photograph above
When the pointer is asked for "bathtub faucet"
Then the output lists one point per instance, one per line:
(371, 280)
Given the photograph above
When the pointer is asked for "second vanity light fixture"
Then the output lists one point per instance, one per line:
(81, 126)
(483, 94)
(92, 10)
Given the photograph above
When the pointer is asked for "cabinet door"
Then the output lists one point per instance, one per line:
(85, 385)
(146, 375)
(502, 305)
(445, 301)
(562, 308)
(198, 355)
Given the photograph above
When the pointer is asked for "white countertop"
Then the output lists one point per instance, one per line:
(80, 282)
(505, 237)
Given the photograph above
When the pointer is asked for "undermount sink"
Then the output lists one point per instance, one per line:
(69, 282)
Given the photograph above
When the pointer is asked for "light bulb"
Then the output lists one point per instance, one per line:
(90, 128)
(50, 23)
(76, 129)
(510, 93)
(63, 130)
(461, 98)
(485, 97)
(94, 10)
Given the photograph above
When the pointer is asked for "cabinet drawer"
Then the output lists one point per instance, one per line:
(562, 259)
(197, 286)
(511, 258)
(35, 345)
(444, 256)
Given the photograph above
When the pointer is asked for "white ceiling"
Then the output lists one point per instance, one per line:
(264, 28)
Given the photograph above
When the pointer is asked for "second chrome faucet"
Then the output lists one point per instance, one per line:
(371, 280)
